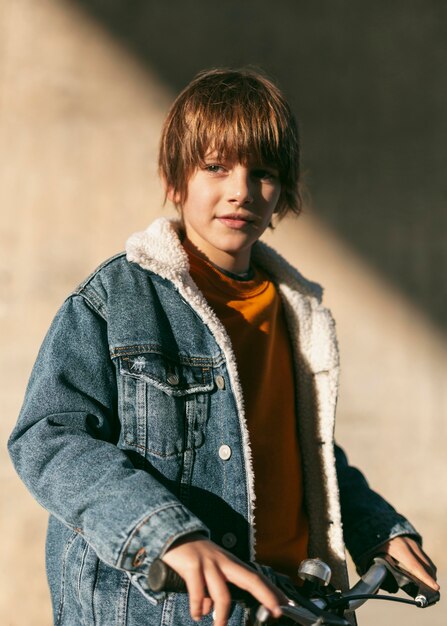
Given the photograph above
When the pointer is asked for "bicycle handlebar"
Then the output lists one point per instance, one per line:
(368, 584)
(323, 605)
(162, 577)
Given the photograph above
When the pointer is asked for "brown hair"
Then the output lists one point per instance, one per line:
(238, 113)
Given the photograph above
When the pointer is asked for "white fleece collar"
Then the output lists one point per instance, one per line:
(159, 249)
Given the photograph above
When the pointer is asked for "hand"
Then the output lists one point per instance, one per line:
(206, 569)
(412, 558)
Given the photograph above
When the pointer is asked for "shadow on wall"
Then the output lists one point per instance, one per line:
(369, 84)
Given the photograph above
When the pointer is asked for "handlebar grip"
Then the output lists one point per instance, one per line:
(161, 577)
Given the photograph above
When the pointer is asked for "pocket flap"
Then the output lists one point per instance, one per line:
(173, 377)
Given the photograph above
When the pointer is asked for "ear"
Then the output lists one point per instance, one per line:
(169, 191)
(172, 196)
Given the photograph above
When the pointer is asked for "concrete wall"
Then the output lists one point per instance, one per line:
(84, 90)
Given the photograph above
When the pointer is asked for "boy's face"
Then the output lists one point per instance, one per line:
(228, 206)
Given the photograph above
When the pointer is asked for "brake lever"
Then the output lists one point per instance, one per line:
(302, 616)
(297, 614)
(413, 586)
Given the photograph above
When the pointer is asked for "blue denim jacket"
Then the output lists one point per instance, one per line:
(122, 422)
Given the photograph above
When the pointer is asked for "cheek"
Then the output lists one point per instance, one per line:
(197, 211)
(201, 197)
(272, 195)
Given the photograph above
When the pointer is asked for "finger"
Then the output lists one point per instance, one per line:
(427, 567)
(412, 558)
(257, 585)
(423, 574)
(219, 594)
(420, 554)
(195, 585)
(207, 606)
(425, 577)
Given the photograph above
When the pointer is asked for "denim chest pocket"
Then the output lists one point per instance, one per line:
(164, 402)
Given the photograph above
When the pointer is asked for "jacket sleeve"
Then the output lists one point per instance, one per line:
(64, 448)
(368, 519)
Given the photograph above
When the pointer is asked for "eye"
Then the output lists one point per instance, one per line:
(214, 168)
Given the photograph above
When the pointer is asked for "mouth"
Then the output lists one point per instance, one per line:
(236, 220)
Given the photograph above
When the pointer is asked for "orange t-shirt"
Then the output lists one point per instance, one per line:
(252, 314)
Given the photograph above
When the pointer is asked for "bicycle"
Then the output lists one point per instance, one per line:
(317, 602)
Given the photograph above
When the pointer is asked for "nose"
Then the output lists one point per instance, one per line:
(240, 190)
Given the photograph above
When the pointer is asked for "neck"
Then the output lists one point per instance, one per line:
(223, 260)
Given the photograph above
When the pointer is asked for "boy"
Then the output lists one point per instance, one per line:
(182, 381)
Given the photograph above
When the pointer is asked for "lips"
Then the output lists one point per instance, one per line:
(237, 217)
(235, 221)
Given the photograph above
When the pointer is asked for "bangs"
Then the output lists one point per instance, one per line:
(237, 114)
(243, 126)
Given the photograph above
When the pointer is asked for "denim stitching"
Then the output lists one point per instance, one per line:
(144, 521)
(141, 435)
(95, 302)
(68, 545)
(168, 610)
(81, 571)
(123, 596)
(95, 586)
(204, 361)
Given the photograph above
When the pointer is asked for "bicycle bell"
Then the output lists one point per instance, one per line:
(315, 571)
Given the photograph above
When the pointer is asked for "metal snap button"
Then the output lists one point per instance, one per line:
(229, 540)
(139, 557)
(173, 379)
(220, 382)
(224, 452)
